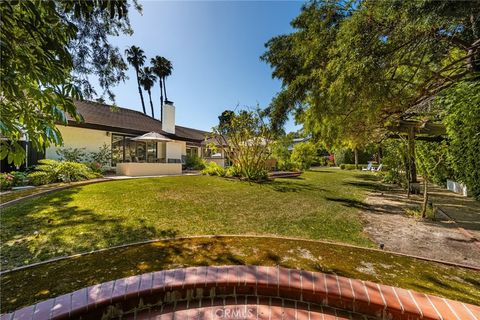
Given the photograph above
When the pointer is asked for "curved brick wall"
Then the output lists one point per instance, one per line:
(261, 293)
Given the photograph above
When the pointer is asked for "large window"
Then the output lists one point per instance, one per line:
(124, 149)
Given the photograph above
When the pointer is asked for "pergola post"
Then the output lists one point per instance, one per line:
(413, 183)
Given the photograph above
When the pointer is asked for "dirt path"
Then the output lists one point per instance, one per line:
(441, 239)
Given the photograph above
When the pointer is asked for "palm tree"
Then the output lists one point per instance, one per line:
(162, 67)
(136, 57)
(147, 80)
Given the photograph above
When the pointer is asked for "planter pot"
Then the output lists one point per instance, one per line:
(457, 187)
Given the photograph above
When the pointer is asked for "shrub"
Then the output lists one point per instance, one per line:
(50, 171)
(234, 171)
(6, 181)
(287, 165)
(303, 154)
(462, 104)
(72, 154)
(194, 162)
(19, 178)
(102, 157)
(213, 169)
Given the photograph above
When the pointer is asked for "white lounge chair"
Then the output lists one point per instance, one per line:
(367, 168)
(379, 168)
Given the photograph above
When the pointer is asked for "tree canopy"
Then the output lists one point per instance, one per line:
(352, 67)
(50, 50)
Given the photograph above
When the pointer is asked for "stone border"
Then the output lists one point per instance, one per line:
(196, 283)
(2, 272)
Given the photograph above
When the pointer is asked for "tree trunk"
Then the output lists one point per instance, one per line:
(140, 92)
(165, 88)
(425, 197)
(151, 103)
(161, 98)
(355, 151)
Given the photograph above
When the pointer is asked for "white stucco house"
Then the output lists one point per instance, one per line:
(115, 127)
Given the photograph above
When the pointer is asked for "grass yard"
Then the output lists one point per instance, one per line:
(30, 285)
(320, 205)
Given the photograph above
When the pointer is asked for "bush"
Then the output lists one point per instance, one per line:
(6, 181)
(303, 154)
(19, 178)
(287, 165)
(234, 171)
(194, 162)
(50, 171)
(100, 159)
(213, 169)
(72, 154)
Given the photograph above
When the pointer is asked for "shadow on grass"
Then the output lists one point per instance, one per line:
(29, 236)
(291, 186)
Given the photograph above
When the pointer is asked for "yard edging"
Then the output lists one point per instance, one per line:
(188, 287)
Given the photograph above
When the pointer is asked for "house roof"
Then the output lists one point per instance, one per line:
(111, 118)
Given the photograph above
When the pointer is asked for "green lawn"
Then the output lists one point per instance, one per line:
(320, 205)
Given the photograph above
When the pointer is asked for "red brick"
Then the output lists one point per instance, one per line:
(262, 276)
(346, 289)
(233, 277)
(408, 304)
(360, 291)
(376, 297)
(333, 290)
(428, 310)
(79, 301)
(308, 281)
(273, 277)
(178, 280)
(158, 283)
(295, 282)
(61, 307)
(284, 277)
(190, 278)
(169, 279)
(393, 302)
(119, 289)
(475, 310)
(461, 310)
(248, 274)
(221, 277)
(24, 313)
(263, 312)
(43, 310)
(276, 312)
(211, 277)
(442, 307)
(146, 283)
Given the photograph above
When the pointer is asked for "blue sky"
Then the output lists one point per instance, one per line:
(215, 48)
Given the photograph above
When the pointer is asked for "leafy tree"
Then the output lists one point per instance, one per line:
(147, 80)
(303, 154)
(163, 68)
(245, 138)
(351, 67)
(462, 121)
(49, 49)
(136, 57)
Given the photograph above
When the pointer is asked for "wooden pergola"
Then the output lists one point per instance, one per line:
(411, 130)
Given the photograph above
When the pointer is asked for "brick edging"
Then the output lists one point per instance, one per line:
(186, 284)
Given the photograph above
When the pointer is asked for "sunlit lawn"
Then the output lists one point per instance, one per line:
(322, 204)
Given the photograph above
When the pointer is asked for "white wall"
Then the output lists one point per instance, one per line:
(74, 137)
(176, 149)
